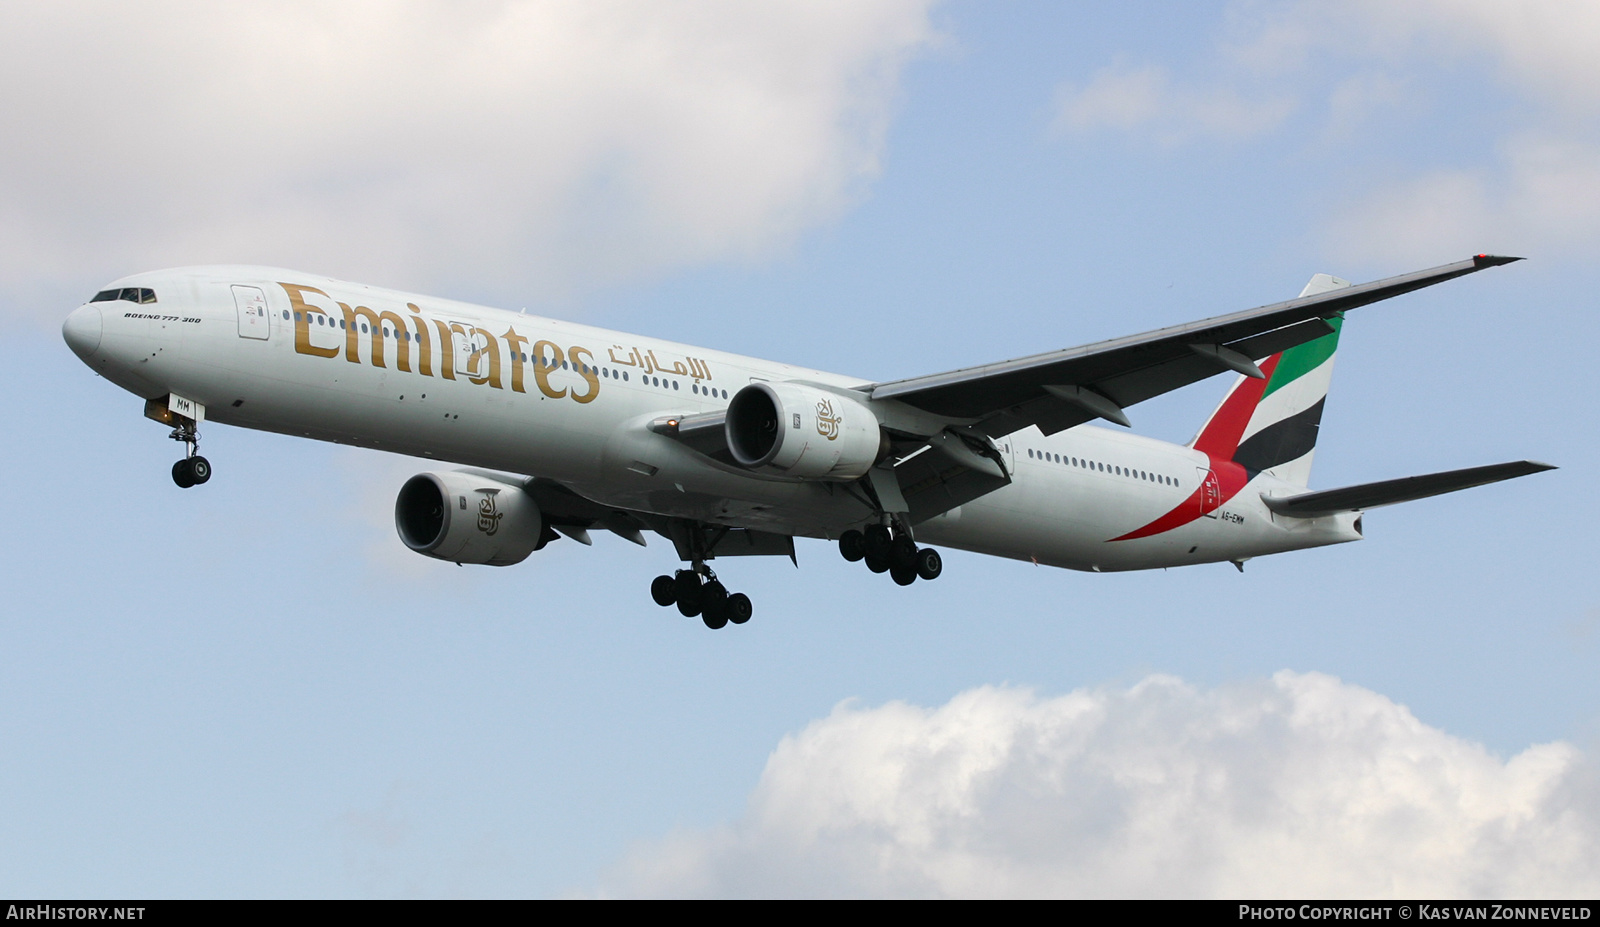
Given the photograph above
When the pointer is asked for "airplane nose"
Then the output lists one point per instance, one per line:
(82, 331)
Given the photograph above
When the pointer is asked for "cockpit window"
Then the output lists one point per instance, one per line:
(133, 294)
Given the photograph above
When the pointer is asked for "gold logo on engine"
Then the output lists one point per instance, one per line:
(827, 422)
(489, 516)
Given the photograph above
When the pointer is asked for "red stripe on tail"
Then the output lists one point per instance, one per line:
(1220, 438)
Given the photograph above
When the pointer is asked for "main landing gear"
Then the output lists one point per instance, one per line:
(705, 597)
(193, 469)
(893, 552)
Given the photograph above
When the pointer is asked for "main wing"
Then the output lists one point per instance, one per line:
(1059, 389)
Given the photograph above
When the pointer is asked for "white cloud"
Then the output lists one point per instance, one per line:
(550, 146)
(1541, 192)
(1545, 46)
(1301, 786)
(1542, 197)
(1124, 98)
(1425, 62)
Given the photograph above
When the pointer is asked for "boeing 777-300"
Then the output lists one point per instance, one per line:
(563, 429)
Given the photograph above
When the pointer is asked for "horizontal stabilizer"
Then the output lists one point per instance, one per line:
(1388, 492)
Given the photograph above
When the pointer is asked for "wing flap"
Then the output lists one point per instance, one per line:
(1390, 492)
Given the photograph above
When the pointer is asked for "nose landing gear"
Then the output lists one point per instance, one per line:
(184, 415)
(193, 469)
(706, 597)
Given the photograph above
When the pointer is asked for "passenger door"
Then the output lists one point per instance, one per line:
(252, 306)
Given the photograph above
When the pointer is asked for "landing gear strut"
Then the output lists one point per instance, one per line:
(193, 469)
(891, 551)
(697, 591)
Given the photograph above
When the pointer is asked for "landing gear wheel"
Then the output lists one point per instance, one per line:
(853, 545)
(878, 564)
(878, 542)
(714, 605)
(929, 563)
(663, 589)
(182, 475)
(737, 608)
(687, 586)
(199, 469)
(905, 576)
(903, 554)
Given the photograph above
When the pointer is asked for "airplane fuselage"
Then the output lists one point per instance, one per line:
(304, 355)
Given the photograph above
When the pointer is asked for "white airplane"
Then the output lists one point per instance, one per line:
(566, 428)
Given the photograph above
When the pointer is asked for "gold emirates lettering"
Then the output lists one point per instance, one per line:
(541, 369)
(352, 338)
(484, 362)
(302, 320)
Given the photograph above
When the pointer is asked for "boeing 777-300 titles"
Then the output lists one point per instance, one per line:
(564, 429)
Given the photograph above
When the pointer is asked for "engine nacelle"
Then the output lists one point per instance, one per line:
(803, 431)
(465, 518)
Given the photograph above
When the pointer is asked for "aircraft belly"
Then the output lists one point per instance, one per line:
(1049, 518)
(1073, 519)
(639, 470)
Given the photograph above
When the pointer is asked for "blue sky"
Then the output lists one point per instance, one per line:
(254, 690)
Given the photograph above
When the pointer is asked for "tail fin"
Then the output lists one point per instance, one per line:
(1271, 425)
